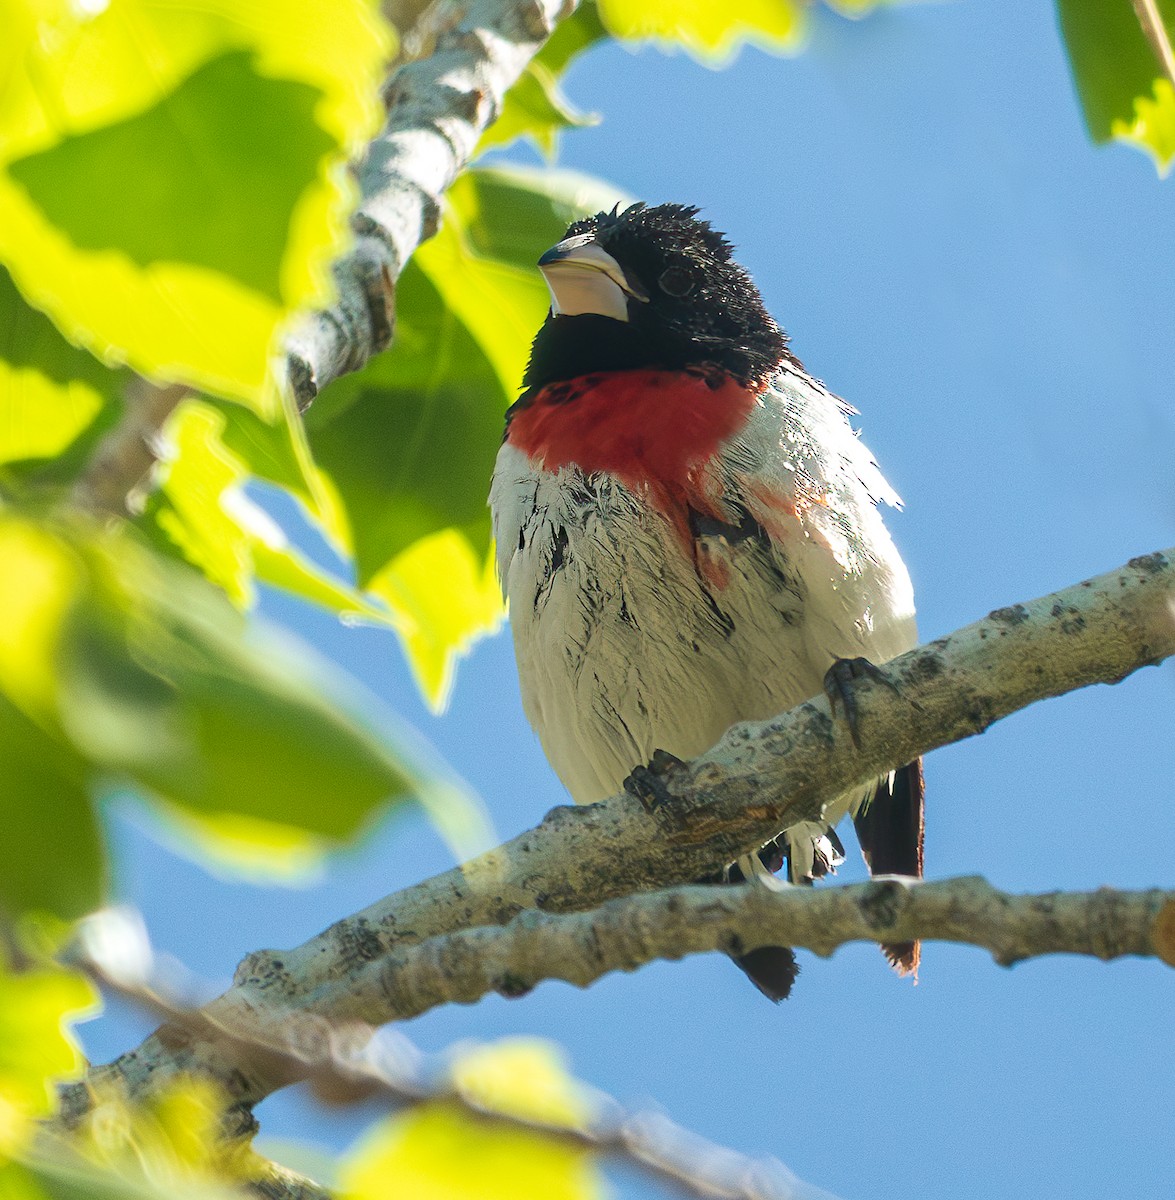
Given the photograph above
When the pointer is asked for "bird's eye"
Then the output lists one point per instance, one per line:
(676, 281)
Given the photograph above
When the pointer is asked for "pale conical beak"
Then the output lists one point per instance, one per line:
(584, 278)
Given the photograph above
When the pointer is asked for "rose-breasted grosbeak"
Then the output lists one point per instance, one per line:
(688, 533)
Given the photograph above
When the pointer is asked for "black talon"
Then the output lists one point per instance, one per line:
(647, 783)
(840, 681)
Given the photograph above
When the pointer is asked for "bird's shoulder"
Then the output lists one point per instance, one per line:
(801, 442)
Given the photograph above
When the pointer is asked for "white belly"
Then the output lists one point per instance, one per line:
(624, 647)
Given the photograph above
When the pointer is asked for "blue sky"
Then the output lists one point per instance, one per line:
(916, 196)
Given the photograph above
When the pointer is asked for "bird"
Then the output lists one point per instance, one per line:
(688, 535)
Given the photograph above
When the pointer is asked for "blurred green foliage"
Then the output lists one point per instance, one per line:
(1123, 73)
(441, 1149)
(131, 186)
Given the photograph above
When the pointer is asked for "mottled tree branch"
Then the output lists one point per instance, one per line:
(629, 932)
(438, 107)
(761, 777)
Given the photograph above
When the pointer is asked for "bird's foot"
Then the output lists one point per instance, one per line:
(647, 783)
(840, 681)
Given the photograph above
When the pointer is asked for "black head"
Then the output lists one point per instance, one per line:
(651, 287)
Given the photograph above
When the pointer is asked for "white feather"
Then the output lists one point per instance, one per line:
(623, 646)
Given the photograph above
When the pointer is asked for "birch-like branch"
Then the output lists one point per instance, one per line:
(629, 932)
(760, 778)
(438, 107)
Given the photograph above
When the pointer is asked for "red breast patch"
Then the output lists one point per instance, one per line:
(644, 427)
(655, 431)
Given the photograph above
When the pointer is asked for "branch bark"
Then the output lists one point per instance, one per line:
(125, 457)
(438, 108)
(627, 933)
(761, 777)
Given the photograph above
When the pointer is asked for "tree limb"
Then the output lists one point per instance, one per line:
(438, 108)
(629, 932)
(761, 777)
(123, 459)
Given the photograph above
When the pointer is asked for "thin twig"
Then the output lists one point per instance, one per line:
(352, 1063)
(125, 457)
(1155, 31)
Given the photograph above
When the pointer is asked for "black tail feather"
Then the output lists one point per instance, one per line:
(772, 969)
(891, 830)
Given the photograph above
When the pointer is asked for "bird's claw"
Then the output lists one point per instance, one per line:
(840, 681)
(647, 783)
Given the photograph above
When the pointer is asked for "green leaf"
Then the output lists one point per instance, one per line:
(37, 1047)
(48, 778)
(169, 1144)
(189, 504)
(409, 441)
(526, 1077)
(51, 1180)
(201, 507)
(269, 449)
(67, 1177)
(207, 106)
(1153, 127)
(171, 186)
(709, 32)
(1124, 92)
(514, 214)
(276, 451)
(51, 856)
(440, 1151)
(146, 674)
(160, 684)
(573, 35)
(55, 400)
(535, 107)
(443, 621)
